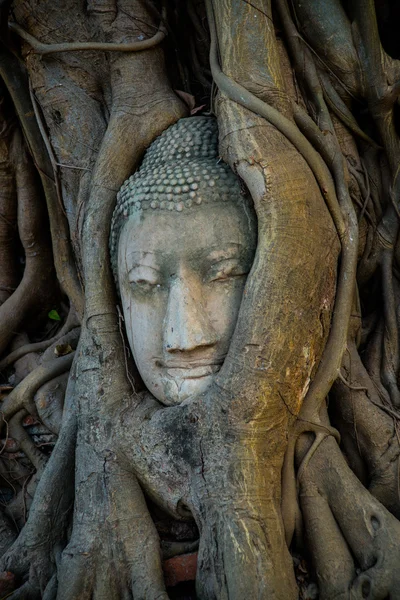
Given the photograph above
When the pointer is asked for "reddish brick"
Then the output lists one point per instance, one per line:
(180, 568)
(29, 420)
(9, 445)
(7, 582)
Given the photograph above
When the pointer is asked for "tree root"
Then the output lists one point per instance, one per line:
(9, 276)
(338, 202)
(44, 49)
(17, 84)
(37, 287)
(289, 506)
(49, 402)
(335, 567)
(18, 433)
(18, 508)
(239, 94)
(33, 556)
(24, 365)
(8, 533)
(171, 549)
(369, 430)
(70, 323)
(22, 396)
(233, 536)
(347, 526)
(112, 563)
(62, 346)
(26, 592)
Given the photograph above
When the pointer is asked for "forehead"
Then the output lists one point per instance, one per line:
(191, 231)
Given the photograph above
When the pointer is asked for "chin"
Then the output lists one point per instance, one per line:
(177, 391)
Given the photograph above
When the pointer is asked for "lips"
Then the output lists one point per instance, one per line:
(193, 372)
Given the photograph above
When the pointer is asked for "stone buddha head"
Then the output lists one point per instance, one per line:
(182, 243)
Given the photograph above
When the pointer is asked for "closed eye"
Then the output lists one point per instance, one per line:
(226, 269)
(143, 282)
(144, 277)
(144, 286)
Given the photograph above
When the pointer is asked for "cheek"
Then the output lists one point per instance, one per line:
(143, 321)
(223, 303)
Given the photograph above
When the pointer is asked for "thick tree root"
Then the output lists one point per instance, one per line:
(9, 277)
(369, 431)
(355, 540)
(124, 558)
(232, 535)
(17, 84)
(26, 592)
(36, 289)
(8, 534)
(290, 508)
(171, 549)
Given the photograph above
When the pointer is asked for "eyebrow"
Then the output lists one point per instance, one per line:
(215, 254)
(141, 266)
(141, 258)
(142, 253)
(225, 253)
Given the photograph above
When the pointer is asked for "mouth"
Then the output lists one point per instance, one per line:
(191, 370)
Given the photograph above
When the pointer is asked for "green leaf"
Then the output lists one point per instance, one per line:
(53, 314)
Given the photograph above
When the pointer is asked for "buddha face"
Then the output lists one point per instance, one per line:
(181, 278)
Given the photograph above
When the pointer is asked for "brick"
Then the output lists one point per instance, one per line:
(180, 568)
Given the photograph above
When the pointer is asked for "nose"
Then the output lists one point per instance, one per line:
(187, 326)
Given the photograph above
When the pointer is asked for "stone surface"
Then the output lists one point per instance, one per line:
(181, 169)
(181, 272)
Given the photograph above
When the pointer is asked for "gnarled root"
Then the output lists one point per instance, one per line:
(18, 508)
(18, 433)
(33, 556)
(36, 289)
(9, 278)
(63, 336)
(49, 402)
(22, 395)
(27, 363)
(8, 533)
(241, 541)
(112, 563)
(354, 539)
(369, 431)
